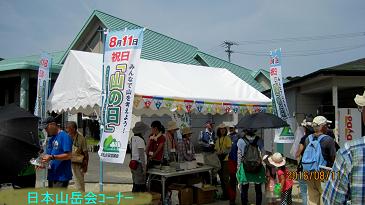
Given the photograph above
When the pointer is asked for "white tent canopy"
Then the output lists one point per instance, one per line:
(79, 84)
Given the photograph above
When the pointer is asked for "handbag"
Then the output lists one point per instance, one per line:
(77, 158)
(277, 189)
(133, 164)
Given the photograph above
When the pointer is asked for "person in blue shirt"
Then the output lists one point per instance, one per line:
(59, 149)
(207, 141)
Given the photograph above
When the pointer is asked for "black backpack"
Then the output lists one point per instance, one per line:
(251, 158)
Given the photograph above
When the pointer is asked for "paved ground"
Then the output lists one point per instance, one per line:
(117, 178)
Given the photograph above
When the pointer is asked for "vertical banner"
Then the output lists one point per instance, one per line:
(121, 59)
(282, 135)
(42, 85)
(349, 125)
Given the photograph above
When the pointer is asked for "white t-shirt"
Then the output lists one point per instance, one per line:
(137, 143)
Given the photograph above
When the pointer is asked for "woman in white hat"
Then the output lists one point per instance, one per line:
(187, 150)
(138, 164)
(282, 172)
(270, 172)
(170, 143)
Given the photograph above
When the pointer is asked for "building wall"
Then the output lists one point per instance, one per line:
(307, 104)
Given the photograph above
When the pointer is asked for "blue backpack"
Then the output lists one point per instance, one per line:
(312, 156)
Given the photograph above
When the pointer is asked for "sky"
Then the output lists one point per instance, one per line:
(307, 28)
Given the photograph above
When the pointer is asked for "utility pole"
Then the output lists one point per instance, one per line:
(227, 45)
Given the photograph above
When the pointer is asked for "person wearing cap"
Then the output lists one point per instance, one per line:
(59, 152)
(170, 143)
(282, 172)
(328, 148)
(139, 157)
(308, 130)
(186, 148)
(206, 141)
(232, 164)
(222, 147)
(244, 178)
(80, 156)
(348, 177)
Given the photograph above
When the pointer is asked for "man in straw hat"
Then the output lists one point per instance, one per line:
(170, 143)
(186, 148)
(326, 156)
(347, 180)
(139, 157)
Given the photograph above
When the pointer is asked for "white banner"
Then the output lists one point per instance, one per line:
(282, 135)
(121, 58)
(42, 85)
(349, 125)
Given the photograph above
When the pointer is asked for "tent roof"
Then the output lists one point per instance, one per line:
(157, 46)
(78, 87)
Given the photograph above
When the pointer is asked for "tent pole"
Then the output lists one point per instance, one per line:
(101, 177)
(101, 118)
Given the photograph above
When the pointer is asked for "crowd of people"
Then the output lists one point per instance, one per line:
(235, 157)
(239, 159)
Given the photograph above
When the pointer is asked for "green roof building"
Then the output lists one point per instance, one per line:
(19, 75)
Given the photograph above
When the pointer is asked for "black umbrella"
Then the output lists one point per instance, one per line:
(18, 140)
(261, 120)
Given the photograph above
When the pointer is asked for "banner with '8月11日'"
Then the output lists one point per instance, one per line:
(121, 59)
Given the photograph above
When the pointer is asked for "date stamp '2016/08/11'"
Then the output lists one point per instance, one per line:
(313, 175)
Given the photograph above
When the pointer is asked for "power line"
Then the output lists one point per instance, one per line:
(307, 38)
(213, 48)
(300, 53)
